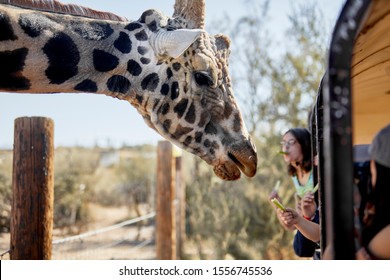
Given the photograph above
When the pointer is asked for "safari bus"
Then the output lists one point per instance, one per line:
(353, 104)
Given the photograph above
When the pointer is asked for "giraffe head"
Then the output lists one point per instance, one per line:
(193, 105)
(170, 69)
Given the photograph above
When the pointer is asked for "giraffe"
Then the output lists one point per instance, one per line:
(169, 68)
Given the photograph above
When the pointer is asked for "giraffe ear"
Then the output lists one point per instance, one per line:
(222, 42)
(174, 43)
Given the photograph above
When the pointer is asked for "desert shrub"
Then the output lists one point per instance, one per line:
(74, 180)
(234, 219)
(5, 202)
(5, 190)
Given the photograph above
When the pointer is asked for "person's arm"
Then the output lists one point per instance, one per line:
(309, 229)
(379, 246)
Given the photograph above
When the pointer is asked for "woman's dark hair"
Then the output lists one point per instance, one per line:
(304, 139)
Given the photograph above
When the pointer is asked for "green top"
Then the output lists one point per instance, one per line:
(301, 190)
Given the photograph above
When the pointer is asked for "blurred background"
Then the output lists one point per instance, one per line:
(105, 155)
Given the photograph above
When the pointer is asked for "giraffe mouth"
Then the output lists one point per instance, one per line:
(236, 161)
(247, 164)
(227, 171)
(239, 160)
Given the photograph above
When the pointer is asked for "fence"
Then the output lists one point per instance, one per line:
(32, 205)
(119, 241)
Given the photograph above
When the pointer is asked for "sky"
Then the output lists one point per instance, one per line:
(88, 119)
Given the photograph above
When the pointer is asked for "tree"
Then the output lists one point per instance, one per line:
(5, 202)
(74, 177)
(135, 177)
(5, 189)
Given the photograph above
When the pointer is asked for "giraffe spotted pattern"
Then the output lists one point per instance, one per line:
(175, 75)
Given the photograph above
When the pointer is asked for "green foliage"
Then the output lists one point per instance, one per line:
(83, 176)
(135, 178)
(5, 190)
(74, 171)
(285, 75)
(109, 177)
(235, 219)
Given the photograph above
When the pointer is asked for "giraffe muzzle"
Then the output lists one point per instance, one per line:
(241, 157)
(245, 160)
(246, 165)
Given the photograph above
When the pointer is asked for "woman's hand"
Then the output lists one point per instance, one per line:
(288, 217)
(362, 254)
(308, 205)
(274, 194)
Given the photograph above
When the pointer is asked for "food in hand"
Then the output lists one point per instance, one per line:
(278, 204)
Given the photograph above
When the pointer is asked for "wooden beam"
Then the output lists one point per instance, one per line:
(165, 205)
(33, 189)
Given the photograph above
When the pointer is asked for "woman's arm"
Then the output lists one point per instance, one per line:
(379, 246)
(309, 229)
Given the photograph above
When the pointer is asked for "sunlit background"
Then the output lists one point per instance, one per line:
(105, 158)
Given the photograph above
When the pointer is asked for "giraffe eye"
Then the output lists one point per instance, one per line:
(202, 79)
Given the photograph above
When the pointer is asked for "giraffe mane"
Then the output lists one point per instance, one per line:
(57, 7)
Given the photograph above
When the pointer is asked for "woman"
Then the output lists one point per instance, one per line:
(296, 148)
(376, 236)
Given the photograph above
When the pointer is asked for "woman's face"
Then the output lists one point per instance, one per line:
(293, 149)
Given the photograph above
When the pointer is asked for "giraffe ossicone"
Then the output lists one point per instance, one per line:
(173, 43)
(169, 68)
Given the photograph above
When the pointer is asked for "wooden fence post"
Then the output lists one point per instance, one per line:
(180, 207)
(33, 189)
(165, 205)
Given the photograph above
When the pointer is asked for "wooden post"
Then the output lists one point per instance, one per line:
(180, 208)
(165, 208)
(33, 188)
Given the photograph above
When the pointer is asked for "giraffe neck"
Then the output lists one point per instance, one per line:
(173, 73)
(51, 52)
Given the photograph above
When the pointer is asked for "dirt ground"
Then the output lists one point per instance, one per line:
(128, 242)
